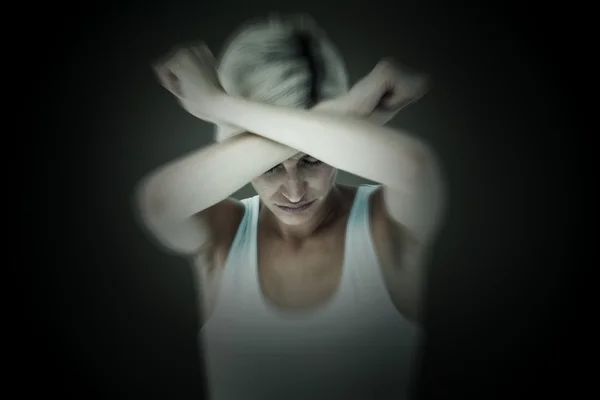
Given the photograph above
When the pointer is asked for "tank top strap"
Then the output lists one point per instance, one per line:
(358, 230)
(242, 253)
(360, 208)
(363, 267)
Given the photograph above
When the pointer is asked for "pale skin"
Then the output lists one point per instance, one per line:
(186, 204)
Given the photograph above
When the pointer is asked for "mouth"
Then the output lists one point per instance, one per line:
(296, 208)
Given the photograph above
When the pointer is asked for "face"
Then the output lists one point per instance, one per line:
(295, 189)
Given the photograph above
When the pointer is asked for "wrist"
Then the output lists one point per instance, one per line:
(339, 105)
(217, 110)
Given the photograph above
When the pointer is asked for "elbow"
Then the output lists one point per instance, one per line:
(147, 204)
(426, 158)
(417, 160)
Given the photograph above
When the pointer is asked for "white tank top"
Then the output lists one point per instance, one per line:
(357, 346)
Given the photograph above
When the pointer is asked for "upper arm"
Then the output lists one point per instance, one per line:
(205, 230)
(405, 223)
(417, 207)
(205, 238)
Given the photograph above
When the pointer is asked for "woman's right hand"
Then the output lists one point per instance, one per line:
(190, 74)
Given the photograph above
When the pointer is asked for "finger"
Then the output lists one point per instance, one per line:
(393, 98)
(393, 103)
(159, 68)
(406, 91)
(159, 71)
(168, 79)
(167, 59)
(209, 64)
(165, 77)
(170, 71)
(174, 83)
(163, 68)
(203, 53)
(418, 85)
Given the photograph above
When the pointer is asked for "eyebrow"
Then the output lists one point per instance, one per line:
(300, 159)
(303, 157)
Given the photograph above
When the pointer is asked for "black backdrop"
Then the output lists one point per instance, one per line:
(116, 318)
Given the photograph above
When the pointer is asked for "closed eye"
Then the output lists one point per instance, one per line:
(310, 163)
(305, 162)
(273, 169)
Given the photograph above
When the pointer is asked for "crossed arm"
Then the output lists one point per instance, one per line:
(405, 166)
(346, 132)
(338, 132)
(412, 188)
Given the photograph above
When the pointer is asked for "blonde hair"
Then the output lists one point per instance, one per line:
(281, 60)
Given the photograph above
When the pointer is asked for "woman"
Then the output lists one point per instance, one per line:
(309, 289)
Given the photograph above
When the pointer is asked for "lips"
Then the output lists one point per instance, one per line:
(295, 208)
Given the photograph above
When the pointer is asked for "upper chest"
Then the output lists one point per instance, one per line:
(325, 249)
(321, 254)
(301, 274)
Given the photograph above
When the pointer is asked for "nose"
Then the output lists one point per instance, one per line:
(294, 189)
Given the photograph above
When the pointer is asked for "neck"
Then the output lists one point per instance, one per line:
(323, 218)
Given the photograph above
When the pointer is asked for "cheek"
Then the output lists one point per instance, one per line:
(323, 177)
(264, 186)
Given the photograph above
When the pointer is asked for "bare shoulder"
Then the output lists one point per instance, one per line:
(348, 191)
(348, 194)
(204, 238)
(202, 232)
(382, 224)
(223, 218)
(376, 206)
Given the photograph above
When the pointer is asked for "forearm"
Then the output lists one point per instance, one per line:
(207, 176)
(352, 144)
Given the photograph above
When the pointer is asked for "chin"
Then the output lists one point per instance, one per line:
(293, 219)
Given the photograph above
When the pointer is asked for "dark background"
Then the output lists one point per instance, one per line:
(117, 318)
